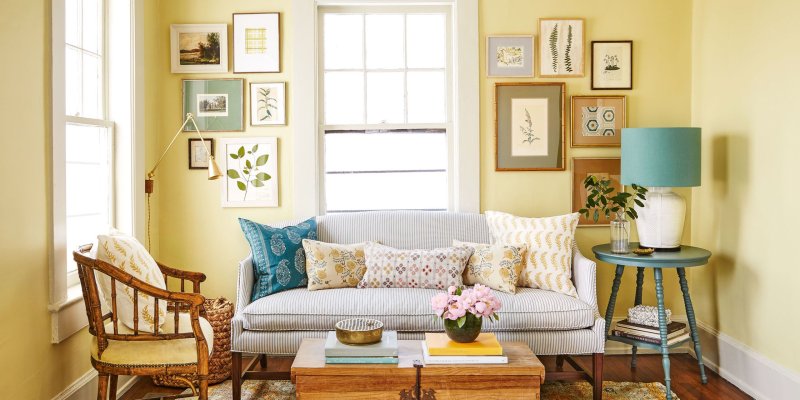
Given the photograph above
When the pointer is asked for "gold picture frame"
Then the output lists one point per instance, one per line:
(597, 121)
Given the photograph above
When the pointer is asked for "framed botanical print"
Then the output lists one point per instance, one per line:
(529, 126)
(597, 121)
(561, 47)
(612, 64)
(250, 167)
(599, 167)
(256, 42)
(509, 56)
(199, 48)
(268, 103)
(216, 104)
(198, 156)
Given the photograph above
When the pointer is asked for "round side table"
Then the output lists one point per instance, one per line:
(688, 256)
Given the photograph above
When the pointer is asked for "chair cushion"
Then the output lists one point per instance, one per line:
(495, 265)
(408, 310)
(331, 266)
(388, 267)
(156, 352)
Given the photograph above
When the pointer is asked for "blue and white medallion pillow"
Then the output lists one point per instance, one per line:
(279, 261)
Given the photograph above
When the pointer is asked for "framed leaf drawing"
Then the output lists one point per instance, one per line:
(250, 166)
(256, 42)
(509, 56)
(561, 47)
(199, 48)
(608, 168)
(612, 64)
(529, 126)
(268, 103)
(597, 121)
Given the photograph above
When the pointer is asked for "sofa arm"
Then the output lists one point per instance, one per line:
(584, 275)
(244, 286)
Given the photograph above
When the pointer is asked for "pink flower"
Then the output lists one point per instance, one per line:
(456, 311)
(451, 290)
(440, 302)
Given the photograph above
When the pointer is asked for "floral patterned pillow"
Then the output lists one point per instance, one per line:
(330, 265)
(432, 269)
(497, 266)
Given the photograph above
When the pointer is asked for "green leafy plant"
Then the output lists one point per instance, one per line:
(250, 171)
(567, 59)
(603, 200)
(265, 103)
(554, 47)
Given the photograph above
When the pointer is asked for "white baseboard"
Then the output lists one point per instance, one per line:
(85, 387)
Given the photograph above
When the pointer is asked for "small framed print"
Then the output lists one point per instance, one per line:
(597, 121)
(250, 168)
(256, 42)
(599, 167)
(217, 104)
(612, 64)
(561, 47)
(198, 156)
(199, 48)
(268, 103)
(509, 56)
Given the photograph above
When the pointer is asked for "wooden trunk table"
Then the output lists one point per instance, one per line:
(313, 379)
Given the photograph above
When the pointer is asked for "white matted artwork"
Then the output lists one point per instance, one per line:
(612, 64)
(212, 105)
(199, 48)
(250, 166)
(256, 42)
(268, 103)
(561, 47)
(509, 56)
(529, 127)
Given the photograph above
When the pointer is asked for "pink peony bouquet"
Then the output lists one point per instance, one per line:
(456, 303)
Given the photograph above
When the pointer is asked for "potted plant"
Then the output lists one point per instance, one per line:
(602, 200)
(463, 311)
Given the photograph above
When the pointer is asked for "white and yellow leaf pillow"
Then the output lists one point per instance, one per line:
(495, 265)
(548, 263)
(331, 265)
(127, 254)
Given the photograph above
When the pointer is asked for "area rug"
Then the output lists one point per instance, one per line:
(284, 390)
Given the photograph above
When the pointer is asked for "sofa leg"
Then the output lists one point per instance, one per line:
(262, 360)
(597, 375)
(236, 374)
(559, 362)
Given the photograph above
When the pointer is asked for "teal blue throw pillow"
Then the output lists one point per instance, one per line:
(279, 261)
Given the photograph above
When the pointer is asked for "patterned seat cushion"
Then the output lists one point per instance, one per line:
(408, 310)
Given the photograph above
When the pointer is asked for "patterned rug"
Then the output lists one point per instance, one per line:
(284, 390)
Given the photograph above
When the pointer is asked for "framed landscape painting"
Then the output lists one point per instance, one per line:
(599, 167)
(597, 121)
(509, 56)
(561, 47)
(529, 126)
(256, 42)
(199, 48)
(250, 168)
(217, 104)
(268, 103)
(612, 64)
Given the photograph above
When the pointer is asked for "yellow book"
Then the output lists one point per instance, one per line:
(485, 345)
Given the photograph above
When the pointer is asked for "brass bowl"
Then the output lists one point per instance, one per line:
(359, 331)
(645, 251)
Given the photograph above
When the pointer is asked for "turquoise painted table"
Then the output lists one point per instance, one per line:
(688, 256)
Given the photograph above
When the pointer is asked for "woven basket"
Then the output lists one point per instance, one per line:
(219, 313)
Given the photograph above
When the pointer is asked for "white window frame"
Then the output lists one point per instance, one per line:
(124, 73)
(463, 138)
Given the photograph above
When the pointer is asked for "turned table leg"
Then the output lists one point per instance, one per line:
(636, 302)
(613, 299)
(687, 301)
(662, 327)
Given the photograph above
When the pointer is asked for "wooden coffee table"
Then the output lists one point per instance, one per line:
(519, 379)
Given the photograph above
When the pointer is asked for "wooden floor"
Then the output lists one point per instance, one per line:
(685, 376)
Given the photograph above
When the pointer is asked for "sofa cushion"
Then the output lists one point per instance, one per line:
(408, 310)
(331, 265)
(388, 267)
(495, 265)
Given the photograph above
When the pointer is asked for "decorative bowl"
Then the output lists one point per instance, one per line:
(646, 251)
(357, 331)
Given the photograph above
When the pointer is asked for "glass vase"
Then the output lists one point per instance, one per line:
(620, 235)
(465, 334)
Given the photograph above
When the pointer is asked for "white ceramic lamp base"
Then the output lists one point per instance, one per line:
(660, 222)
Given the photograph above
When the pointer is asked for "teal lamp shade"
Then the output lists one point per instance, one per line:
(661, 157)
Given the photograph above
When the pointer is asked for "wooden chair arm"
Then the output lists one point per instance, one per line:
(194, 277)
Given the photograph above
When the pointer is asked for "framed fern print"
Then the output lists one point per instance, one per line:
(561, 47)
(268, 103)
(612, 64)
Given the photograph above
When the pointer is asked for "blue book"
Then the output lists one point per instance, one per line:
(361, 360)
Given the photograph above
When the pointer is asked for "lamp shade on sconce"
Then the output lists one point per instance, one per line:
(661, 157)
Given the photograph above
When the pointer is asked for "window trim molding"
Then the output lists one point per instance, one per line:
(465, 195)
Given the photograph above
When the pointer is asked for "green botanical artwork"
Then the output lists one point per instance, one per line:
(567, 59)
(251, 169)
(510, 56)
(554, 47)
(266, 103)
(527, 129)
(611, 62)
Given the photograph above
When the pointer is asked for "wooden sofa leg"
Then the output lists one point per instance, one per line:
(262, 360)
(236, 374)
(559, 362)
(597, 374)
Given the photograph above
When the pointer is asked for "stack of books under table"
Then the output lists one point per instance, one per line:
(676, 332)
(437, 348)
(383, 352)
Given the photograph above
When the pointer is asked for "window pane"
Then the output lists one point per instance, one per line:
(385, 97)
(344, 41)
(85, 144)
(344, 98)
(426, 97)
(88, 171)
(73, 77)
(92, 86)
(92, 25)
(82, 230)
(426, 41)
(385, 151)
(72, 12)
(357, 192)
(385, 41)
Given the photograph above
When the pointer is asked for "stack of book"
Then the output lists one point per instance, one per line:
(383, 352)
(439, 349)
(676, 332)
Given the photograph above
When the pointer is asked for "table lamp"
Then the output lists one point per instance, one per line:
(660, 159)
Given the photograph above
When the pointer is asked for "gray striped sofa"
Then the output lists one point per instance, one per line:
(550, 323)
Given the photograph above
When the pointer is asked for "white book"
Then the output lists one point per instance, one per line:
(387, 347)
(429, 359)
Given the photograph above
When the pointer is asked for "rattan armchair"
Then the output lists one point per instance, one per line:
(180, 347)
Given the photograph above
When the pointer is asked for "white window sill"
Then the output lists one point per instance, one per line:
(68, 316)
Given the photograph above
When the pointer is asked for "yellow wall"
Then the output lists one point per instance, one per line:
(745, 99)
(32, 367)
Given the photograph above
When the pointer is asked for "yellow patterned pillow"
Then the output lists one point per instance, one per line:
(127, 254)
(496, 266)
(548, 264)
(330, 265)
